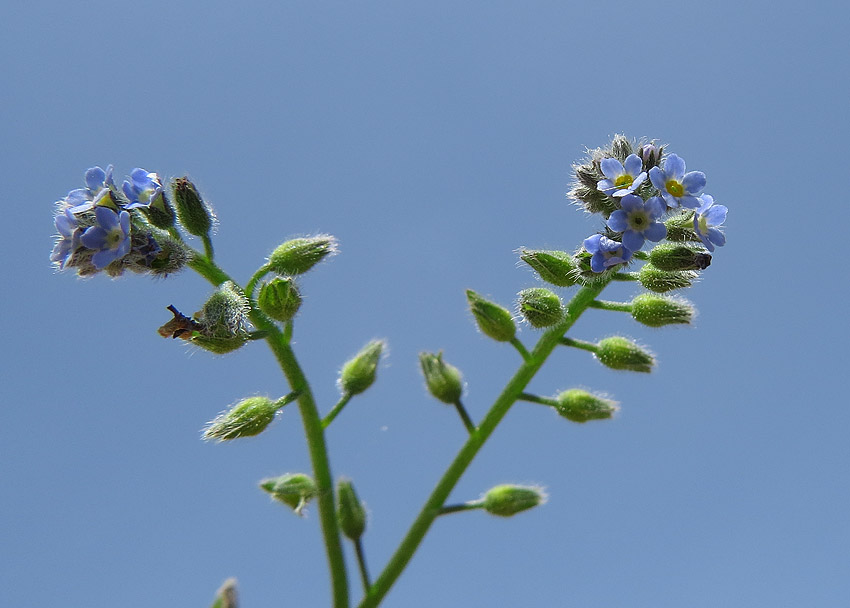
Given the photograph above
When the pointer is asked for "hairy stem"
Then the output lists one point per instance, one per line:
(434, 505)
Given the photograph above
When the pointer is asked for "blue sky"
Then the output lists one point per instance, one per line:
(433, 139)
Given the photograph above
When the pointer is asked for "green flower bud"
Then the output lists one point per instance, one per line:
(293, 489)
(444, 381)
(226, 596)
(651, 155)
(300, 255)
(174, 254)
(673, 256)
(580, 406)
(160, 213)
(247, 418)
(555, 267)
(657, 311)
(493, 320)
(222, 320)
(350, 512)
(540, 307)
(681, 227)
(662, 281)
(619, 353)
(506, 500)
(194, 214)
(279, 299)
(358, 373)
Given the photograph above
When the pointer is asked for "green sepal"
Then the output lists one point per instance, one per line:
(657, 311)
(350, 512)
(662, 281)
(359, 372)
(279, 299)
(580, 406)
(160, 213)
(300, 255)
(292, 489)
(555, 267)
(192, 212)
(508, 499)
(676, 256)
(540, 307)
(620, 353)
(493, 320)
(443, 381)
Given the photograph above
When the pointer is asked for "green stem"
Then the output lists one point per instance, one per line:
(208, 248)
(588, 346)
(336, 410)
(433, 506)
(537, 399)
(521, 348)
(626, 276)
(616, 306)
(467, 421)
(278, 341)
(465, 506)
(251, 285)
(361, 564)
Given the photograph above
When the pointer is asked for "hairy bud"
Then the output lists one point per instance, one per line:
(194, 214)
(657, 311)
(681, 227)
(540, 307)
(580, 406)
(247, 418)
(222, 320)
(662, 281)
(300, 255)
(619, 353)
(493, 320)
(359, 372)
(443, 381)
(507, 500)
(555, 267)
(350, 512)
(279, 299)
(673, 256)
(293, 489)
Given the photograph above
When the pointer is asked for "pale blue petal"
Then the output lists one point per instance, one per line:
(674, 167)
(619, 221)
(633, 240)
(103, 258)
(633, 164)
(597, 262)
(656, 207)
(93, 238)
(605, 185)
(591, 243)
(707, 201)
(694, 182)
(611, 167)
(658, 178)
(689, 202)
(655, 232)
(106, 217)
(716, 215)
(95, 177)
(716, 237)
(639, 180)
(631, 203)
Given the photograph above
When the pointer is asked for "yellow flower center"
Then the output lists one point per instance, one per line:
(114, 238)
(703, 224)
(675, 188)
(624, 180)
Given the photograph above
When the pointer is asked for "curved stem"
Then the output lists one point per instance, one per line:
(361, 563)
(615, 306)
(464, 416)
(335, 410)
(434, 505)
(252, 282)
(278, 341)
(520, 348)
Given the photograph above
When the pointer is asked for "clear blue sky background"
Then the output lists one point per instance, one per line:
(433, 139)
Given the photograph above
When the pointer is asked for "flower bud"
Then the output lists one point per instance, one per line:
(673, 256)
(657, 311)
(350, 512)
(300, 255)
(222, 320)
(681, 227)
(621, 147)
(159, 212)
(226, 596)
(247, 418)
(555, 267)
(358, 373)
(540, 307)
(662, 281)
(580, 406)
(443, 381)
(194, 214)
(506, 500)
(619, 353)
(493, 320)
(293, 489)
(279, 299)
(650, 154)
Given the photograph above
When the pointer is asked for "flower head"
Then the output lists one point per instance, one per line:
(676, 186)
(110, 239)
(621, 178)
(142, 188)
(605, 252)
(97, 180)
(638, 220)
(706, 219)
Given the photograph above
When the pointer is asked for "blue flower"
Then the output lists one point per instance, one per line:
(142, 188)
(637, 220)
(706, 219)
(66, 225)
(606, 253)
(622, 178)
(676, 186)
(97, 179)
(111, 239)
